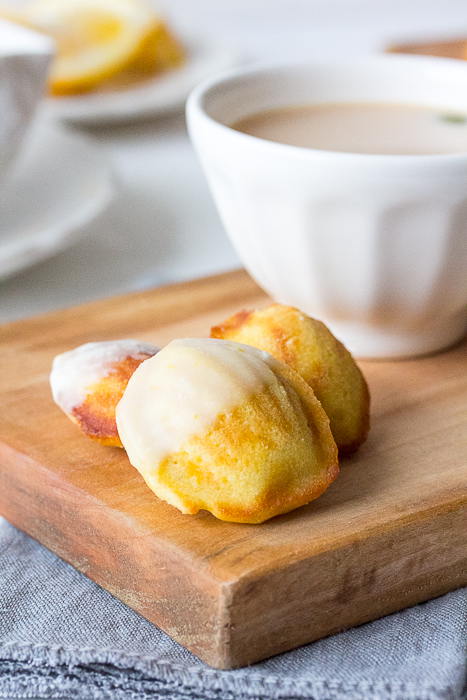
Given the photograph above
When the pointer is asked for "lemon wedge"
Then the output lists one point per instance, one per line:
(99, 39)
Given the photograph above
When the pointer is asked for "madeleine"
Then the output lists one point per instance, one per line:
(224, 427)
(310, 348)
(89, 381)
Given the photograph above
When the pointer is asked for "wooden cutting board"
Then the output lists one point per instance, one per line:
(389, 533)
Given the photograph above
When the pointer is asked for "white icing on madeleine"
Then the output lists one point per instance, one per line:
(181, 392)
(75, 371)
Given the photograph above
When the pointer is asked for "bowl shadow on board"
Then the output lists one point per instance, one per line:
(357, 480)
(356, 483)
(370, 471)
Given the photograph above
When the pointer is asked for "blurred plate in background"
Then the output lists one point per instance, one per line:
(59, 184)
(163, 93)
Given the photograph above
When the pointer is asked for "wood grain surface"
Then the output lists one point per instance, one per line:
(389, 532)
(453, 48)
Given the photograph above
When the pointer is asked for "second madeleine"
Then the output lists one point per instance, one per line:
(309, 347)
(224, 427)
(88, 382)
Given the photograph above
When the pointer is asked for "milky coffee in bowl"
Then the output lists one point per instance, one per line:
(343, 186)
(380, 128)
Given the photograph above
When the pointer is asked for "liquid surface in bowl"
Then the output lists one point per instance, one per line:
(377, 128)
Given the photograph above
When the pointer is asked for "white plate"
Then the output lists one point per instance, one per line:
(154, 96)
(60, 182)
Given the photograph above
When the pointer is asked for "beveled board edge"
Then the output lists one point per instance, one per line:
(158, 583)
(395, 567)
(232, 625)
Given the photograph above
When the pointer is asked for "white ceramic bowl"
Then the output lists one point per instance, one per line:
(25, 58)
(373, 245)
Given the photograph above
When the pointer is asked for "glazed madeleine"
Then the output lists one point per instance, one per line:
(224, 427)
(88, 382)
(309, 347)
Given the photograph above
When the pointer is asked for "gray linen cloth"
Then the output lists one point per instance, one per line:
(62, 636)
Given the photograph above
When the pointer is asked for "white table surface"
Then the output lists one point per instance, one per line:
(162, 225)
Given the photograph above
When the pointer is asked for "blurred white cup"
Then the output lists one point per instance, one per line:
(25, 58)
(373, 245)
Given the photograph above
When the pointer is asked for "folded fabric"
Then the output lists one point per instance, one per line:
(61, 635)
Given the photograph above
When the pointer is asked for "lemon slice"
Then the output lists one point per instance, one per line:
(96, 39)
